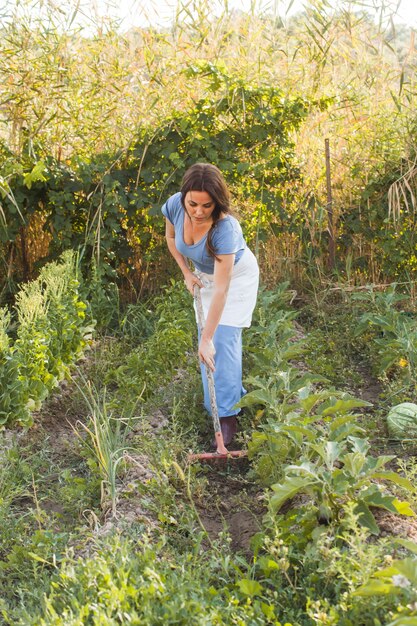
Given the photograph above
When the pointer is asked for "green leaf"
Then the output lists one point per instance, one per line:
(408, 568)
(353, 463)
(304, 393)
(406, 543)
(344, 426)
(259, 396)
(269, 611)
(329, 451)
(403, 508)
(341, 482)
(366, 518)
(310, 402)
(308, 378)
(359, 444)
(288, 489)
(249, 587)
(35, 175)
(374, 497)
(344, 406)
(375, 588)
(387, 573)
(267, 565)
(292, 430)
(396, 479)
(36, 557)
(333, 450)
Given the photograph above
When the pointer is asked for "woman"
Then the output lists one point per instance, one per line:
(201, 228)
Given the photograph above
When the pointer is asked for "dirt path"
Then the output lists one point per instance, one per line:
(235, 505)
(371, 388)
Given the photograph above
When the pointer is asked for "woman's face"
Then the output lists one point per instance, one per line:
(199, 206)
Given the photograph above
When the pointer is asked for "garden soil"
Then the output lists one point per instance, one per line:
(234, 505)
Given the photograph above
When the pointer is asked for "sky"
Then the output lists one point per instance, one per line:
(162, 12)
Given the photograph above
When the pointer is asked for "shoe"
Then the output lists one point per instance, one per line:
(229, 428)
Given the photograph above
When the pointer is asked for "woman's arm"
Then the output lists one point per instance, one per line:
(190, 278)
(222, 275)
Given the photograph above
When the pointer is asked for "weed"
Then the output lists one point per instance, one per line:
(146, 584)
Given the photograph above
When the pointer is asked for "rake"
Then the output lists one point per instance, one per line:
(222, 452)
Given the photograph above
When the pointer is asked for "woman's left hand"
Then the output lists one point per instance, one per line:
(206, 352)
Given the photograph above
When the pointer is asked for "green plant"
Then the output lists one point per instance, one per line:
(12, 386)
(52, 332)
(393, 331)
(107, 437)
(165, 350)
(317, 569)
(397, 582)
(342, 472)
(147, 583)
(293, 427)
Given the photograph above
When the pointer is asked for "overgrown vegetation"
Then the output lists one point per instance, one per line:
(88, 159)
(51, 332)
(103, 518)
(118, 531)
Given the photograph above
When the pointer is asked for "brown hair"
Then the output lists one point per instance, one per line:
(207, 177)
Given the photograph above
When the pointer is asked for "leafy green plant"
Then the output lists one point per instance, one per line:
(294, 426)
(165, 350)
(317, 569)
(272, 325)
(398, 581)
(342, 472)
(13, 387)
(393, 331)
(108, 205)
(52, 332)
(149, 584)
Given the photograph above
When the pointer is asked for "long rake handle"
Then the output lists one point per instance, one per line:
(221, 449)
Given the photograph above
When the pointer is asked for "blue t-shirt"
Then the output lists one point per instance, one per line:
(227, 237)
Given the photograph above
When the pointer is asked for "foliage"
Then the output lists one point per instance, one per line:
(28, 535)
(52, 332)
(342, 472)
(325, 415)
(108, 206)
(147, 585)
(165, 350)
(328, 351)
(293, 410)
(78, 164)
(319, 571)
(106, 441)
(303, 569)
(399, 582)
(393, 331)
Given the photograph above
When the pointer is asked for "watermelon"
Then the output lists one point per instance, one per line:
(402, 421)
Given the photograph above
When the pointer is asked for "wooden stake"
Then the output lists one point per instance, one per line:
(329, 207)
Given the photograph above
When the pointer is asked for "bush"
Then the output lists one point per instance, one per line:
(52, 332)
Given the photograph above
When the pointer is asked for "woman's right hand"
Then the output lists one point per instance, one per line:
(206, 352)
(191, 280)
